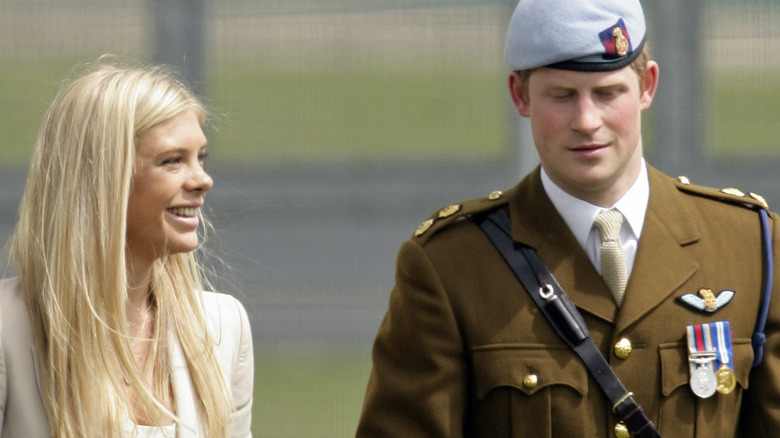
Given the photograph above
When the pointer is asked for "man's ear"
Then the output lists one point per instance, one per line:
(649, 84)
(519, 94)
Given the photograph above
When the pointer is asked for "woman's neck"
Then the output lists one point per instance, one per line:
(138, 306)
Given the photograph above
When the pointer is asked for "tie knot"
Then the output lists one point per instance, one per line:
(609, 222)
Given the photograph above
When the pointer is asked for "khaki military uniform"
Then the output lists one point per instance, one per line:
(464, 352)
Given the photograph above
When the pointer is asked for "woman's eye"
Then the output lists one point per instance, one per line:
(172, 160)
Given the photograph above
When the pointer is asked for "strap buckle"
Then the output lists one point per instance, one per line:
(622, 400)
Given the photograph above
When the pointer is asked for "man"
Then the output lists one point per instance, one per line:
(464, 350)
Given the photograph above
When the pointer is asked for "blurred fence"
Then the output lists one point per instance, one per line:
(343, 123)
(345, 80)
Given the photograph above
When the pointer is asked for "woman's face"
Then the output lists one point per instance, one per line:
(168, 188)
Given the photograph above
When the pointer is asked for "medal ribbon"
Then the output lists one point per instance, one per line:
(700, 347)
(722, 332)
(713, 338)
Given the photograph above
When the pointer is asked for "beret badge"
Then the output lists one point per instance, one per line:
(616, 40)
(621, 42)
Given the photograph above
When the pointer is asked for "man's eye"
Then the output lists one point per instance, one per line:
(608, 93)
(560, 95)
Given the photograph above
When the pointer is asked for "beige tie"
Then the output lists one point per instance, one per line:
(613, 260)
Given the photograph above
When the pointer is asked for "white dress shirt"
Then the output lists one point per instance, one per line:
(579, 216)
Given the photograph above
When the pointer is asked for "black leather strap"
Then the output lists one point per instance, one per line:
(564, 318)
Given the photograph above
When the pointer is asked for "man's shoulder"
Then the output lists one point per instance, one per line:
(727, 195)
(457, 212)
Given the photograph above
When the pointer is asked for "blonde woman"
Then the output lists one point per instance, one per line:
(106, 330)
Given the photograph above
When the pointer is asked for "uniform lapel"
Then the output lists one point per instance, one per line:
(661, 264)
(536, 222)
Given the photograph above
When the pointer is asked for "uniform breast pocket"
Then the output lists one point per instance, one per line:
(684, 414)
(529, 391)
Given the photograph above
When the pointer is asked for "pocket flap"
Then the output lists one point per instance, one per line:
(509, 365)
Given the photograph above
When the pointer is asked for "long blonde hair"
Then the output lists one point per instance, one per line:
(69, 250)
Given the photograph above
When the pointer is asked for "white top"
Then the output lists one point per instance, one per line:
(131, 430)
(579, 216)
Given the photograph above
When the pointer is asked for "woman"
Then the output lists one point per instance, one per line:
(108, 298)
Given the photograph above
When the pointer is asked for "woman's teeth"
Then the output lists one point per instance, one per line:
(184, 211)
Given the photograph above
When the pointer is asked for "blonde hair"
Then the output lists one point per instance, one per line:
(69, 249)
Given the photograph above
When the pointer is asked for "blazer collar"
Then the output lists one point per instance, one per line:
(670, 224)
(188, 409)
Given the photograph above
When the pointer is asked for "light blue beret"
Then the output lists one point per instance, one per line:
(586, 35)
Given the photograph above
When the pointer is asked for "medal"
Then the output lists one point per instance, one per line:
(703, 382)
(710, 358)
(726, 380)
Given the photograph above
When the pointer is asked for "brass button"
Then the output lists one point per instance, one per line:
(495, 195)
(621, 431)
(623, 348)
(530, 381)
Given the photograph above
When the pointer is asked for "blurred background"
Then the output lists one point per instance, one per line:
(342, 124)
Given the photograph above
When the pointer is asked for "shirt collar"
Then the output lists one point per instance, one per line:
(579, 215)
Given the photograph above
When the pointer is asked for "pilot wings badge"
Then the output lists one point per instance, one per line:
(707, 301)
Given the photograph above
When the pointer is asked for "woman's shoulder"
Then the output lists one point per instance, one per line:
(220, 299)
(229, 325)
(226, 316)
(12, 300)
(16, 334)
(10, 286)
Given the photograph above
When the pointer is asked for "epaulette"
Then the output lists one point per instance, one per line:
(456, 212)
(728, 194)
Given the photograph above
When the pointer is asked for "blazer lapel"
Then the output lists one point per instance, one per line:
(661, 264)
(183, 392)
(187, 409)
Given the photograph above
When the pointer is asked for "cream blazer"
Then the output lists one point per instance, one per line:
(22, 414)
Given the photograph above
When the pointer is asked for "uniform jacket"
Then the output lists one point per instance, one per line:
(461, 335)
(22, 414)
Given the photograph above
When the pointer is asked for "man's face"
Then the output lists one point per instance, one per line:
(587, 127)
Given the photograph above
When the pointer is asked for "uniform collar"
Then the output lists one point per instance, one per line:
(579, 214)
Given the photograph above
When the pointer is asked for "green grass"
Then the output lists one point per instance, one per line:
(314, 116)
(269, 114)
(272, 114)
(311, 392)
(28, 87)
(744, 111)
